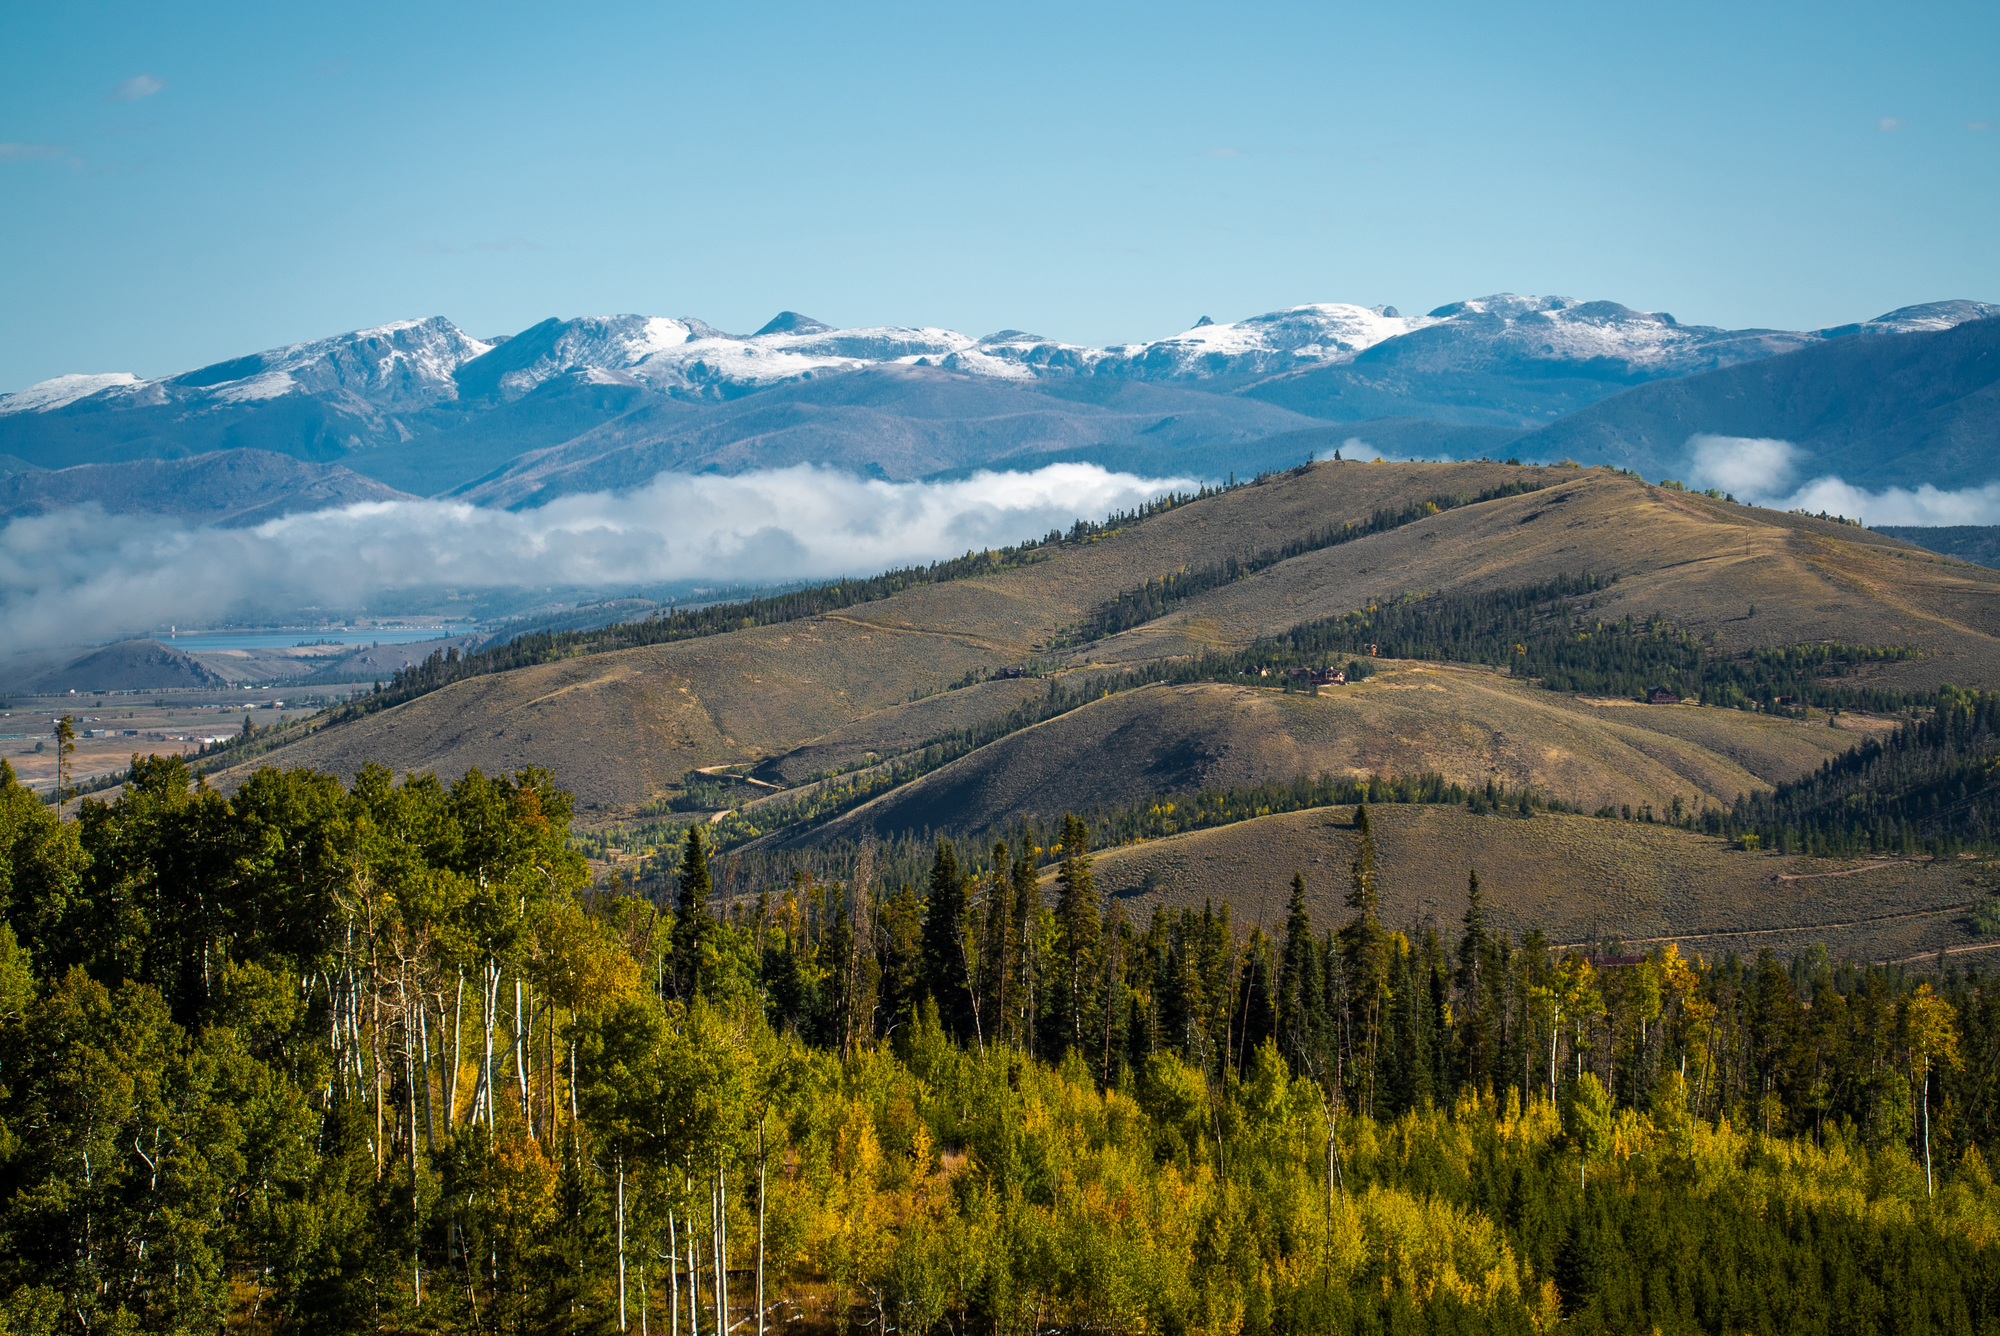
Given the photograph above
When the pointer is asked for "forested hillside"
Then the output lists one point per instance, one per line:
(317, 1057)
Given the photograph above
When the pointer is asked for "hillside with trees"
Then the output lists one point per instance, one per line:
(323, 1057)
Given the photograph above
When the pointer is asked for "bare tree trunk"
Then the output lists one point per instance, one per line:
(489, 1008)
(416, 1202)
(721, 1251)
(760, 1227)
(521, 1058)
(1928, 1189)
(621, 1240)
(424, 1042)
(457, 1046)
(694, 1272)
(673, 1278)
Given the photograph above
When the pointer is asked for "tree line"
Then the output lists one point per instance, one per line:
(1156, 598)
(323, 1057)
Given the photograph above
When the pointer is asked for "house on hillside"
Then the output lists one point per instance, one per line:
(1661, 696)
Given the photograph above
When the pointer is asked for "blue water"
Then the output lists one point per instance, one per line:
(267, 639)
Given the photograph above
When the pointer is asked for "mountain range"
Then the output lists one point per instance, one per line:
(421, 407)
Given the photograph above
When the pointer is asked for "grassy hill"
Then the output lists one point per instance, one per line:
(1701, 563)
(621, 728)
(1579, 879)
(1470, 725)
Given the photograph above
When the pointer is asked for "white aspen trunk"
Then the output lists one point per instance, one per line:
(673, 1279)
(621, 1241)
(1555, 1028)
(416, 1203)
(1928, 1189)
(721, 1253)
(489, 1008)
(424, 1043)
(521, 1057)
(457, 1046)
(694, 1280)
(760, 1227)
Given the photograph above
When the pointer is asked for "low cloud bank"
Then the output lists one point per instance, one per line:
(78, 575)
(1763, 472)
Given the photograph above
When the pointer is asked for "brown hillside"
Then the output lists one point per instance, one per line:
(1469, 724)
(622, 728)
(1703, 564)
(1579, 879)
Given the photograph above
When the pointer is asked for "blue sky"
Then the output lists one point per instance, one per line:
(180, 184)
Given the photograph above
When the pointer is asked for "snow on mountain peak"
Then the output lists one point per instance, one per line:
(60, 391)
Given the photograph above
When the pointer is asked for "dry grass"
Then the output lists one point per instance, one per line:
(620, 729)
(1469, 724)
(1578, 879)
(1703, 564)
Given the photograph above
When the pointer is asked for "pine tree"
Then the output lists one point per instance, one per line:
(1027, 988)
(694, 925)
(1474, 1023)
(1364, 953)
(863, 974)
(945, 972)
(996, 967)
(1298, 1020)
(1078, 932)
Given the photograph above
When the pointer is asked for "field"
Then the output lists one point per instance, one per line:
(162, 723)
(1581, 880)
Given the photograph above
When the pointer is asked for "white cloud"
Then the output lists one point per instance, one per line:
(137, 87)
(29, 152)
(73, 577)
(1356, 448)
(1749, 466)
(1925, 505)
(1762, 471)
(1888, 125)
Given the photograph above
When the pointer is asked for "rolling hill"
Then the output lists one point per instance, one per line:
(623, 727)
(1469, 725)
(1582, 880)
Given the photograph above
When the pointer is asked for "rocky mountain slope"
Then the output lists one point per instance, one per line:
(229, 488)
(423, 407)
(1922, 407)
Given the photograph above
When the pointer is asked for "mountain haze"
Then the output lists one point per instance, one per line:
(596, 401)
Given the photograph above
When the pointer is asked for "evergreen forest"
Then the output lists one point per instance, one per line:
(324, 1057)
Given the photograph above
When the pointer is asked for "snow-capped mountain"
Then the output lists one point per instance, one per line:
(689, 358)
(404, 365)
(414, 364)
(423, 407)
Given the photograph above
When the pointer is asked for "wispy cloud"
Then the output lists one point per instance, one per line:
(1888, 125)
(1979, 125)
(1762, 471)
(1749, 466)
(1224, 153)
(71, 577)
(138, 87)
(1897, 505)
(29, 152)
